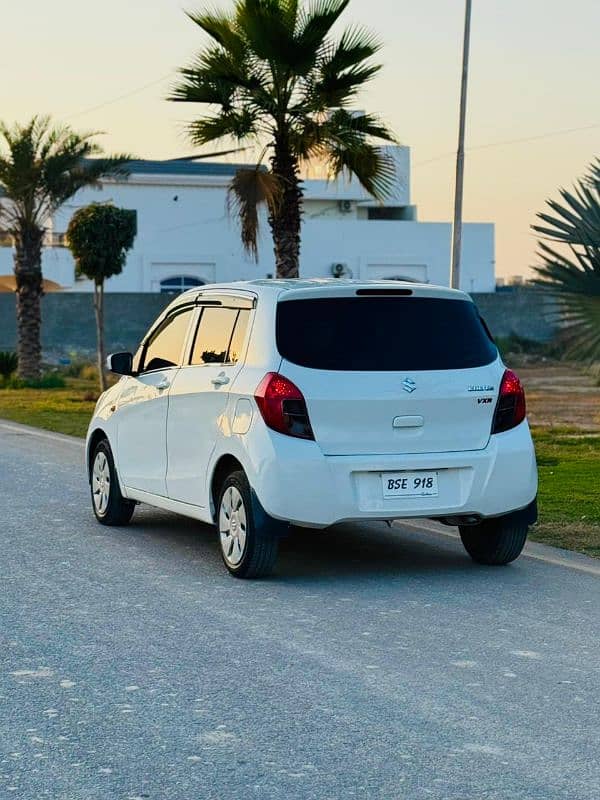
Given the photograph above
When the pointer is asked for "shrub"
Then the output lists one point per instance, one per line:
(516, 344)
(89, 372)
(50, 381)
(8, 363)
(74, 367)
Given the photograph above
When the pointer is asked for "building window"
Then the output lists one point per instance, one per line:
(178, 284)
(53, 239)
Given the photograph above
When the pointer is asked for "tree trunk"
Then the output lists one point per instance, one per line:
(100, 350)
(285, 219)
(29, 291)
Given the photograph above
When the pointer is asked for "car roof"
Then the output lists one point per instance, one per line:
(284, 289)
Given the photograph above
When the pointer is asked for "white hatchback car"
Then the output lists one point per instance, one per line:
(257, 404)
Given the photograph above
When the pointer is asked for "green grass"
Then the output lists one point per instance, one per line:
(569, 493)
(65, 410)
(569, 461)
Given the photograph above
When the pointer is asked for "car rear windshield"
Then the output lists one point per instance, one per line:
(383, 334)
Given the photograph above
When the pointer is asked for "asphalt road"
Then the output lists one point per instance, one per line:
(377, 663)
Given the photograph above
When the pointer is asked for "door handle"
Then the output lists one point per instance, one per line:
(220, 380)
(408, 422)
(164, 384)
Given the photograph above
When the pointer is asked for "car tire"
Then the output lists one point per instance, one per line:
(494, 542)
(248, 537)
(109, 505)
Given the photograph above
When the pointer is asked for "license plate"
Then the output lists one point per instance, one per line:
(409, 484)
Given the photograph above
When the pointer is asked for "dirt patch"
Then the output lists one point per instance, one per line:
(580, 536)
(561, 395)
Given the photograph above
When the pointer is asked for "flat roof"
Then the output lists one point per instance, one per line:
(150, 167)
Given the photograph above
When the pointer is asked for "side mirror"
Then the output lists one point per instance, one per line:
(120, 363)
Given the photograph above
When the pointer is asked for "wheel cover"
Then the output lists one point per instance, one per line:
(232, 526)
(101, 483)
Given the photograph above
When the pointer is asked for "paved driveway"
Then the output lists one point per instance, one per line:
(377, 663)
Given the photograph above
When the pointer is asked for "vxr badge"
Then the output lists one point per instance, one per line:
(409, 385)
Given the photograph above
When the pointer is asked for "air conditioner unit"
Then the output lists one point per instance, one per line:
(341, 270)
(345, 206)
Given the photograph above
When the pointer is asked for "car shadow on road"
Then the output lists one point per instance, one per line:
(367, 550)
(360, 550)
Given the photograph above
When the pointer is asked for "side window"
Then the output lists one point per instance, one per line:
(213, 336)
(239, 334)
(166, 345)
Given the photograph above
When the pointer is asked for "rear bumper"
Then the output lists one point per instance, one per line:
(301, 485)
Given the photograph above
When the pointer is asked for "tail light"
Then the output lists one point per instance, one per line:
(282, 406)
(510, 410)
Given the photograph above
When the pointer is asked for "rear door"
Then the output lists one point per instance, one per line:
(391, 373)
(199, 394)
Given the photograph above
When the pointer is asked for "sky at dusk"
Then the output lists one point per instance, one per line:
(534, 71)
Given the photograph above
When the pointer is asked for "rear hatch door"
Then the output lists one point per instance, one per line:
(391, 374)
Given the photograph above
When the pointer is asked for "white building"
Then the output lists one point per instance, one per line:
(185, 235)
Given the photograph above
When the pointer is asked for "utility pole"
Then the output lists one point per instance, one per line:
(460, 155)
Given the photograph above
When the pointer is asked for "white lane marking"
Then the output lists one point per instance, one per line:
(558, 561)
(526, 654)
(41, 434)
(564, 562)
(40, 672)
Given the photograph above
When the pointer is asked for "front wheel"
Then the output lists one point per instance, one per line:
(249, 544)
(494, 542)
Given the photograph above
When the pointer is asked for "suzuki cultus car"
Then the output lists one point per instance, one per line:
(259, 404)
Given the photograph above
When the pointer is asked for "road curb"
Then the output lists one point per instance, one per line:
(535, 550)
(19, 428)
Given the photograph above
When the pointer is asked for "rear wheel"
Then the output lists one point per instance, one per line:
(110, 507)
(495, 541)
(249, 543)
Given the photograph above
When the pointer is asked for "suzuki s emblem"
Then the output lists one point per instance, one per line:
(409, 385)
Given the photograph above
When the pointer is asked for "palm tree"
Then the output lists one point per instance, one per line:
(572, 272)
(276, 77)
(41, 167)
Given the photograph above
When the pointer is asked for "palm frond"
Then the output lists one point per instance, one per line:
(198, 88)
(268, 29)
(337, 90)
(372, 166)
(238, 125)
(313, 138)
(43, 165)
(574, 221)
(86, 172)
(356, 45)
(317, 20)
(594, 174)
(221, 28)
(249, 189)
(343, 123)
(570, 270)
(289, 9)
(220, 78)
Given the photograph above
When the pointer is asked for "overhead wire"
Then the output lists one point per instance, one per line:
(522, 140)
